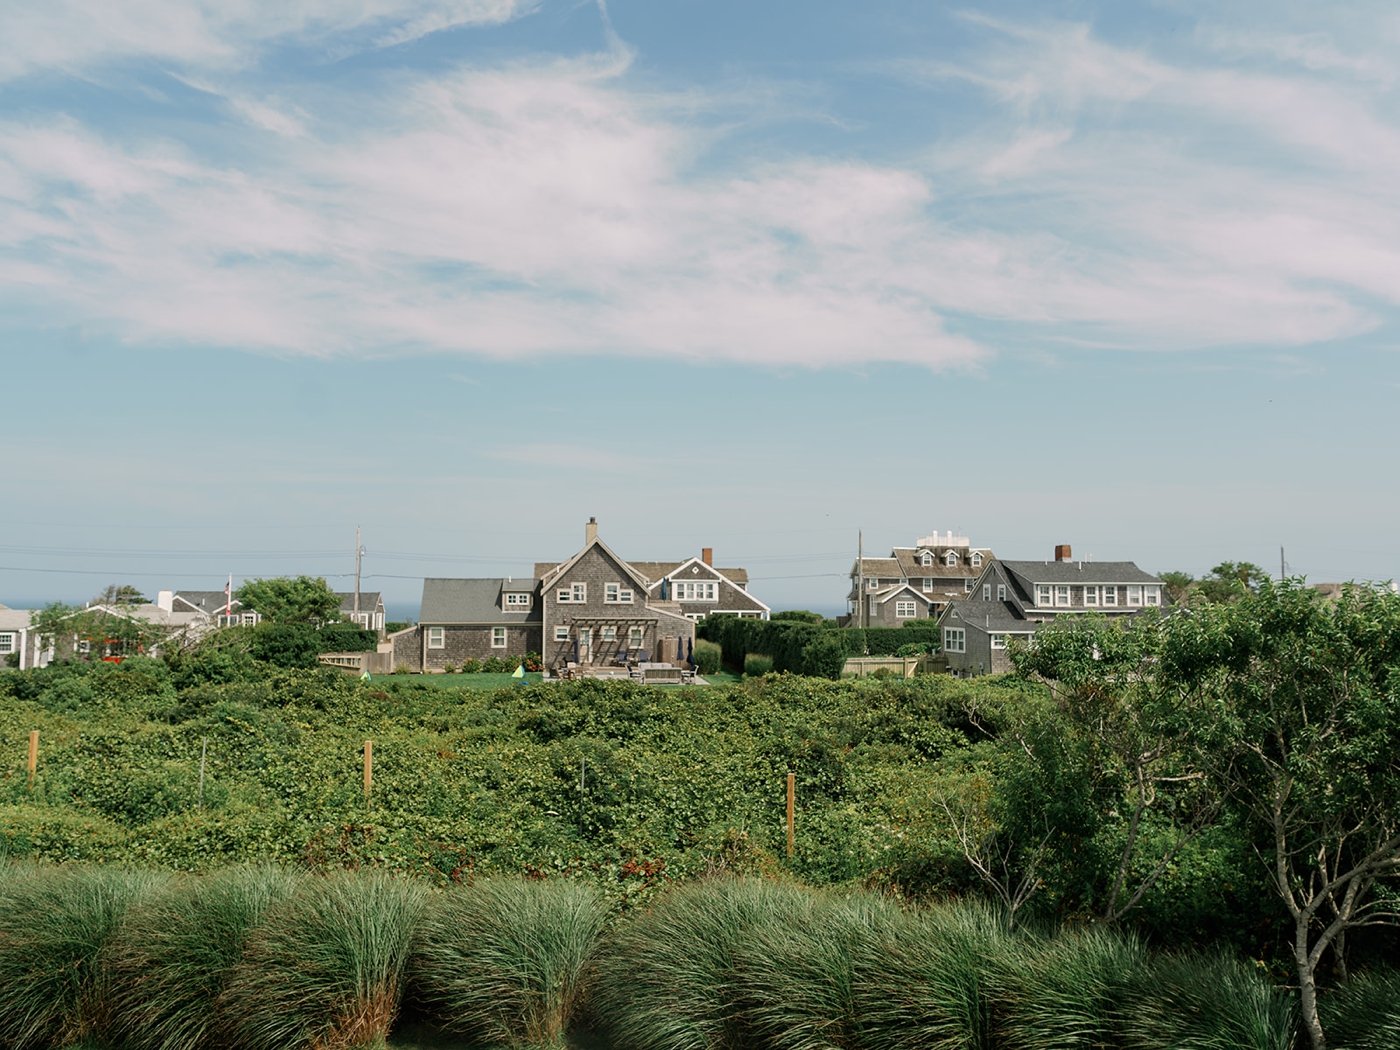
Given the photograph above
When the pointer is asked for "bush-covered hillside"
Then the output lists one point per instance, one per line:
(676, 782)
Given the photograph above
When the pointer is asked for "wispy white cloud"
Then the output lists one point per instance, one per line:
(77, 36)
(1108, 197)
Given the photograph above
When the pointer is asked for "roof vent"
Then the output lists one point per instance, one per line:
(1062, 552)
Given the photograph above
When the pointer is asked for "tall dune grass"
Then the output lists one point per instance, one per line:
(669, 977)
(799, 984)
(172, 957)
(1203, 1001)
(1364, 1014)
(325, 970)
(928, 987)
(506, 961)
(55, 925)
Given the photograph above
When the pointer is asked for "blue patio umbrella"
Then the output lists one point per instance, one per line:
(690, 650)
(680, 648)
(665, 587)
(575, 648)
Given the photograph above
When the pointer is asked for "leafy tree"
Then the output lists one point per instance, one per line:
(1145, 762)
(93, 633)
(125, 594)
(1297, 705)
(284, 600)
(1230, 581)
(1179, 585)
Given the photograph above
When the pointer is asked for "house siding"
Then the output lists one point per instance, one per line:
(470, 642)
(595, 568)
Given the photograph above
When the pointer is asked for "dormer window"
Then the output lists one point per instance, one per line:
(925, 558)
(951, 558)
(517, 601)
(976, 561)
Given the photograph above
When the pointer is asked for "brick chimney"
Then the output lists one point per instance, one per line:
(1062, 552)
(590, 532)
(707, 555)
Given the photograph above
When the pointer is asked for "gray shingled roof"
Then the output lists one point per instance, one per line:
(369, 600)
(989, 616)
(210, 602)
(908, 559)
(1071, 572)
(474, 601)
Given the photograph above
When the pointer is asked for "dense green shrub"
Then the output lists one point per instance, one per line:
(757, 665)
(799, 616)
(506, 961)
(471, 665)
(493, 665)
(708, 657)
(298, 644)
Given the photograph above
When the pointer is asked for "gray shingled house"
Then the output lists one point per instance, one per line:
(371, 614)
(595, 609)
(1012, 599)
(913, 583)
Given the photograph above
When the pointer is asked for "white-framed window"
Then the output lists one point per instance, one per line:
(871, 585)
(517, 600)
(575, 592)
(905, 610)
(954, 640)
(926, 558)
(1091, 596)
(1042, 594)
(1062, 595)
(84, 645)
(634, 637)
(616, 594)
(697, 591)
(609, 634)
(498, 637)
(967, 585)
(1134, 594)
(7, 643)
(986, 592)
(976, 560)
(1110, 595)
(1001, 592)
(435, 638)
(1152, 595)
(951, 558)
(561, 634)
(697, 617)
(998, 641)
(928, 583)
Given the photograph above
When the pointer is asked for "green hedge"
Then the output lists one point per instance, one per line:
(806, 648)
(796, 647)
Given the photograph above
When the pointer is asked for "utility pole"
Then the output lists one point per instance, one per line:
(860, 578)
(1282, 569)
(359, 551)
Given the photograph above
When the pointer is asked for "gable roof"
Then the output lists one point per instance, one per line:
(1071, 572)
(986, 616)
(475, 601)
(211, 603)
(655, 571)
(876, 567)
(908, 560)
(885, 594)
(548, 578)
(369, 601)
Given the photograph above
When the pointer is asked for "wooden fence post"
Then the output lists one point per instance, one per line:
(791, 801)
(369, 768)
(33, 755)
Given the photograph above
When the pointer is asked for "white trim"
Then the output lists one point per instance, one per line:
(561, 632)
(636, 637)
(516, 606)
(572, 594)
(607, 634)
(954, 640)
(619, 595)
(901, 606)
(439, 634)
(503, 635)
(763, 608)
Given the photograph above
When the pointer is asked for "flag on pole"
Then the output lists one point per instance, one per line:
(519, 672)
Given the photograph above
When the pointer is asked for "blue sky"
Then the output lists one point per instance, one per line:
(747, 276)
